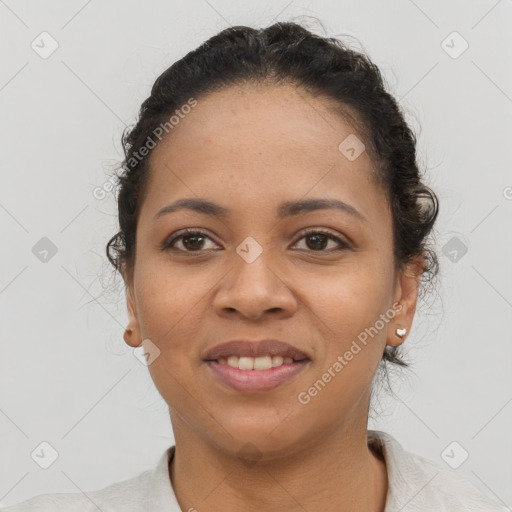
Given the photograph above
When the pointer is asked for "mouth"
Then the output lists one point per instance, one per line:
(254, 367)
(261, 380)
(265, 362)
(254, 349)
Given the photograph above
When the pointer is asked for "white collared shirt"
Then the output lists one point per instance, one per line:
(416, 484)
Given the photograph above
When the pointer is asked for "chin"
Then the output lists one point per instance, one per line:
(260, 441)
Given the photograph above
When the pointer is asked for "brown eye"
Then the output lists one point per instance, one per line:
(188, 241)
(192, 242)
(319, 240)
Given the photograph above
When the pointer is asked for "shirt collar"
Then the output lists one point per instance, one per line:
(410, 478)
(160, 495)
(400, 483)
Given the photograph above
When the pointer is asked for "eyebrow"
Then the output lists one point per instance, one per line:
(286, 209)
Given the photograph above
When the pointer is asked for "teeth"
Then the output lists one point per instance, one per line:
(279, 360)
(255, 363)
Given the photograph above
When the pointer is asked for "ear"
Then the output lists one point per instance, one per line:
(132, 335)
(406, 293)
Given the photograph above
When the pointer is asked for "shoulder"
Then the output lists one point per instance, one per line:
(127, 495)
(417, 483)
(131, 495)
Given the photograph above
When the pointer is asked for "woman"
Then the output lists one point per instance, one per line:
(273, 242)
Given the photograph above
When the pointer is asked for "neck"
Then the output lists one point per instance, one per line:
(335, 471)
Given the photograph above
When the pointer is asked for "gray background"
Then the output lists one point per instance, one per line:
(67, 377)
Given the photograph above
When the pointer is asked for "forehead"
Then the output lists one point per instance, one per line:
(282, 117)
(260, 143)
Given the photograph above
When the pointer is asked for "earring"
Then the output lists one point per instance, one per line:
(401, 332)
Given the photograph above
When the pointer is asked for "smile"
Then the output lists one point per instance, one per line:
(256, 374)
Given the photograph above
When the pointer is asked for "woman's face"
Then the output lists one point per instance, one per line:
(255, 274)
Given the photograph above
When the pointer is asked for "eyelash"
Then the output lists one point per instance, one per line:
(167, 245)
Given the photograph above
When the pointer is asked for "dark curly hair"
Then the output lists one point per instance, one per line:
(321, 66)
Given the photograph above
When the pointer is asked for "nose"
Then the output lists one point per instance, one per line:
(252, 290)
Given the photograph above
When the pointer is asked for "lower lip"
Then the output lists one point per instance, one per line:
(254, 381)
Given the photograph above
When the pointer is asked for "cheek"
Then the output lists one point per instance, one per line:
(169, 301)
(350, 297)
(169, 313)
(348, 312)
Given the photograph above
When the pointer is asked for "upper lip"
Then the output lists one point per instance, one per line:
(258, 348)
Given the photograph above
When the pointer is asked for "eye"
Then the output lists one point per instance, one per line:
(319, 239)
(191, 240)
(194, 240)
